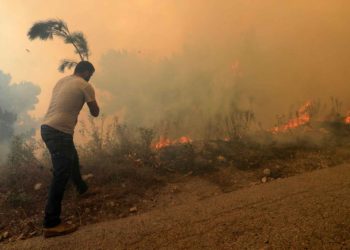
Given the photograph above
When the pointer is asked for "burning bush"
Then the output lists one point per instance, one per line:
(130, 163)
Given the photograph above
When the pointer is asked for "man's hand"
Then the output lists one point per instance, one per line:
(94, 109)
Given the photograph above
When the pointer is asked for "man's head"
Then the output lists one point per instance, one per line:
(85, 70)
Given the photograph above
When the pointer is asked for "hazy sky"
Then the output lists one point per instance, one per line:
(151, 27)
(301, 47)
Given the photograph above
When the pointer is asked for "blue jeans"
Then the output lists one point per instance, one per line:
(65, 162)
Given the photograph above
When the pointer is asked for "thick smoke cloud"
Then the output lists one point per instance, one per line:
(16, 99)
(183, 90)
(271, 56)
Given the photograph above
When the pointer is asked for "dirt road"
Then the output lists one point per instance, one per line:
(309, 211)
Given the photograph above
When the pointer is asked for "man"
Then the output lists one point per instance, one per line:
(68, 97)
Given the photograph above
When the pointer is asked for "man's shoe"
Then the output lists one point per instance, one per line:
(60, 229)
(83, 188)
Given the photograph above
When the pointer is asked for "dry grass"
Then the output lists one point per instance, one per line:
(128, 170)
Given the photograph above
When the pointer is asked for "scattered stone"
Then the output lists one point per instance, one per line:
(221, 158)
(111, 204)
(264, 179)
(188, 174)
(38, 186)
(138, 163)
(87, 210)
(86, 177)
(133, 210)
(5, 235)
(32, 233)
(21, 237)
(267, 172)
(175, 189)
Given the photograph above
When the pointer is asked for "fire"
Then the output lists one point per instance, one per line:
(302, 118)
(165, 142)
(236, 68)
(347, 118)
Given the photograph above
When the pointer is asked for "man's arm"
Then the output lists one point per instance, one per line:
(94, 109)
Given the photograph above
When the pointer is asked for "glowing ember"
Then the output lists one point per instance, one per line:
(165, 142)
(236, 68)
(302, 118)
(184, 139)
(347, 118)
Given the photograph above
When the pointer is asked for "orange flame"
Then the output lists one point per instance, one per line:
(302, 118)
(165, 142)
(236, 68)
(347, 118)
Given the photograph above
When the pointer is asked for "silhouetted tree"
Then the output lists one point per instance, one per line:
(7, 120)
(45, 30)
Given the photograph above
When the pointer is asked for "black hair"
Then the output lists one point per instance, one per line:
(84, 66)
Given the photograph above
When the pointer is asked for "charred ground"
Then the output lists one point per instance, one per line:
(128, 174)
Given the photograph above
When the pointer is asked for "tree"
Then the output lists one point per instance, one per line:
(48, 29)
(7, 120)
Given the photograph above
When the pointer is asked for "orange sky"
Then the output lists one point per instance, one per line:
(314, 29)
(131, 25)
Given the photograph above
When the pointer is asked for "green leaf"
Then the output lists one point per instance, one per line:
(79, 40)
(66, 63)
(47, 29)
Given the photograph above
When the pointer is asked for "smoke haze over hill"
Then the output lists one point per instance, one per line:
(270, 56)
(16, 100)
(188, 60)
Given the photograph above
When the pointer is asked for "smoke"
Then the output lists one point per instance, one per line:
(16, 100)
(181, 89)
(289, 51)
(269, 56)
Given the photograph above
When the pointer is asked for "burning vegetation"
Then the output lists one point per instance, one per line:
(128, 167)
(206, 112)
(303, 116)
(165, 142)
